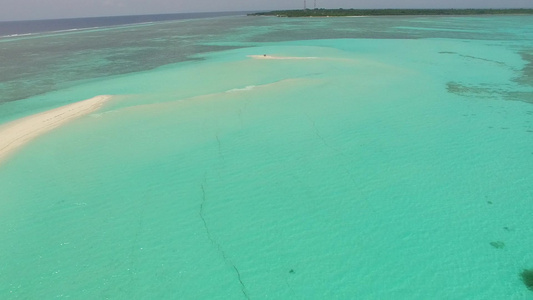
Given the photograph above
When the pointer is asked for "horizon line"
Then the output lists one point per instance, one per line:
(245, 12)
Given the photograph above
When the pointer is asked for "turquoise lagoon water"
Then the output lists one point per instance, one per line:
(394, 163)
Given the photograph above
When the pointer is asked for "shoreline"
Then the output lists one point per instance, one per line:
(350, 12)
(15, 134)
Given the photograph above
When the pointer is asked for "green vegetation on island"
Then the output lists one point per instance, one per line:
(321, 12)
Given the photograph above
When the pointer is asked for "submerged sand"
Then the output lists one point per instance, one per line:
(15, 134)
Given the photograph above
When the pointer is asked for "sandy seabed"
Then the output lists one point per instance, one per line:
(15, 134)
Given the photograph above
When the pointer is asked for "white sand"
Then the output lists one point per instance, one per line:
(279, 57)
(19, 132)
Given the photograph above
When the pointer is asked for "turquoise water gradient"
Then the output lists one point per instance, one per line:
(378, 169)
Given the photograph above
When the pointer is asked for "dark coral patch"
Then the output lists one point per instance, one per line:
(497, 244)
(527, 278)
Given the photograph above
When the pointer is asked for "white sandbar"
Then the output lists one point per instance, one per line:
(19, 132)
(279, 57)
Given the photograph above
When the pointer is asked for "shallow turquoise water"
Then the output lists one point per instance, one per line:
(382, 168)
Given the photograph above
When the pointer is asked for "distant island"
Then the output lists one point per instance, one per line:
(321, 12)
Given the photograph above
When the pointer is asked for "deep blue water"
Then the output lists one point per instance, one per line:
(38, 26)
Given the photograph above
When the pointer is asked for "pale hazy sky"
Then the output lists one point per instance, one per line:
(47, 9)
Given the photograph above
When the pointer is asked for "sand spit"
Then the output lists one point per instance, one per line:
(17, 133)
(279, 57)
